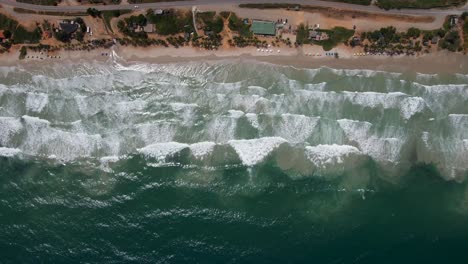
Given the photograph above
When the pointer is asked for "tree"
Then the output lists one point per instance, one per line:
(413, 32)
(7, 34)
(23, 53)
(93, 12)
(464, 15)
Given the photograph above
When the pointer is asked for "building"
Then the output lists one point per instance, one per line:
(356, 41)
(2, 36)
(68, 28)
(435, 40)
(313, 34)
(158, 12)
(317, 35)
(264, 28)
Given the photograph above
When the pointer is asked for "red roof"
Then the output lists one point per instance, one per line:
(1, 34)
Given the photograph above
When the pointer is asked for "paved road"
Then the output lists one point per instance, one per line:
(373, 9)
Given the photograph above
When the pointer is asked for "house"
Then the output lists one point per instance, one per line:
(264, 28)
(453, 21)
(149, 28)
(435, 40)
(313, 34)
(68, 28)
(158, 12)
(2, 36)
(356, 41)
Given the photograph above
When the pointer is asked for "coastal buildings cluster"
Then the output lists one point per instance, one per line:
(213, 30)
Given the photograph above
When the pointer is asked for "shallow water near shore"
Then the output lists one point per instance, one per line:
(232, 161)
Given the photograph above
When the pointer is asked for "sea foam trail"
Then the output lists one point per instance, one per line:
(210, 113)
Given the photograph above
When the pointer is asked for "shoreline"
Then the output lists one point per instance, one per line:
(439, 62)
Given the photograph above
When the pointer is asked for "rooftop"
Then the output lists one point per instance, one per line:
(263, 27)
(68, 27)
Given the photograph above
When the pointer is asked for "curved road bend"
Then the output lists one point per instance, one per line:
(372, 8)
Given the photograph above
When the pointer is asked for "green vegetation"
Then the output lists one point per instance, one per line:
(7, 23)
(225, 14)
(21, 35)
(298, 6)
(237, 24)
(211, 22)
(129, 24)
(357, 2)
(48, 13)
(114, 2)
(465, 35)
(108, 15)
(336, 36)
(93, 12)
(172, 22)
(413, 32)
(41, 2)
(422, 4)
(388, 40)
(451, 41)
(23, 53)
(270, 6)
(18, 32)
(151, 1)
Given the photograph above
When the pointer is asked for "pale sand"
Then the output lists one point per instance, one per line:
(437, 62)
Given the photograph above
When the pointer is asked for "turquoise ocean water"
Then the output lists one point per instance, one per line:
(231, 162)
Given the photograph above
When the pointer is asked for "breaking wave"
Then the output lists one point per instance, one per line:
(320, 122)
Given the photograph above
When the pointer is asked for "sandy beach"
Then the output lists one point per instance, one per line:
(437, 62)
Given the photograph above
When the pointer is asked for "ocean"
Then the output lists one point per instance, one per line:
(231, 161)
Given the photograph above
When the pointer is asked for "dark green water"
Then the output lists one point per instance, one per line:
(166, 215)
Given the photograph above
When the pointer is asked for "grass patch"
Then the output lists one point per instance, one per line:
(19, 33)
(465, 35)
(270, 6)
(48, 13)
(41, 2)
(7, 23)
(356, 2)
(211, 22)
(293, 6)
(108, 15)
(336, 36)
(421, 4)
(171, 23)
(237, 24)
(151, 1)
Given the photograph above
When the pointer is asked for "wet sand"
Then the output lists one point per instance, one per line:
(437, 62)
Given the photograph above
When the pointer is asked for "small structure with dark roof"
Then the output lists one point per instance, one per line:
(435, 40)
(69, 28)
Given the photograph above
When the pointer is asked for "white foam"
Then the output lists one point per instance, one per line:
(379, 148)
(235, 113)
(161, 151)
(202, 149)
(9, 152)
(411, 106)
(254, 151)
(9, 127)
(36, 102)
(322, 155)
(253, 120)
